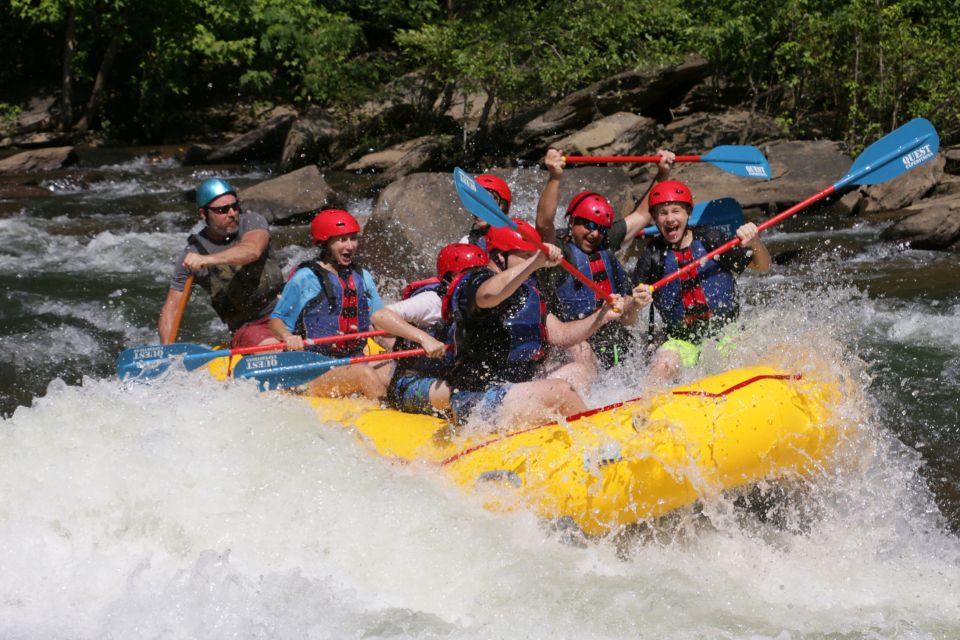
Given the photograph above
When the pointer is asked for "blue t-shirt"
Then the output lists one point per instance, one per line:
(304, 287)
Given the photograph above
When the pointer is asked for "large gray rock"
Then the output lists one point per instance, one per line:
(698, 133)
(412, 219)
(292, 195)
(903, 190)
(309, 140)
(417, 215)
(930, 224)
(401, 159)
(649, 93)
(39, 160)
(264, 144)
(622, 133)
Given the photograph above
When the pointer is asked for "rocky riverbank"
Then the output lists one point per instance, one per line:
(406, 165)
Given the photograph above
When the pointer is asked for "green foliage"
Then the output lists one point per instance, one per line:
(840, 68)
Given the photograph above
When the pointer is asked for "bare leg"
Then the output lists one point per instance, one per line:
(348, 380)
(581, 368)
(538, 402)
(440, 395)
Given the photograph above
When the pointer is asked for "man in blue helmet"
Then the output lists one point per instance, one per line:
(231, 258)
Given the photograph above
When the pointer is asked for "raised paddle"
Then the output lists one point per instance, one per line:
(152, 360)
(745, 161)
(295, 368)
(480, 203)
(892, 155)
(725, 213)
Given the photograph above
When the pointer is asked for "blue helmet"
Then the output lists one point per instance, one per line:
(211, 189)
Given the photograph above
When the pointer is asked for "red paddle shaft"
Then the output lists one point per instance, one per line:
(736, 241)
(624, 159)
(242, 351)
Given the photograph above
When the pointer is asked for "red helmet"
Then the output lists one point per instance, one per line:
(671, 191)
(491, 182)
(332, 222)
(506, 239)
(591, 206)
(460, 257)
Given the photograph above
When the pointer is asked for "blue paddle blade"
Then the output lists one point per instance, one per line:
(151, 360)
(478, 200)
(748, 162)
(285, 369)
(722, 213)
(907, 147)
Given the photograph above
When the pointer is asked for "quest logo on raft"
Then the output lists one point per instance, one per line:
(262, 362)
(919, 156)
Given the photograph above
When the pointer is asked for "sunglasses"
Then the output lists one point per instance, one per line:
(225, 209)
(591, 225)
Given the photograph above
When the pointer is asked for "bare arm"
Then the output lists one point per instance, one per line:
(640, 217)
(567, 334)
(386, 319)
(502, 285)
(249, 249)
(279, 329)
(550, 196)
(750, 237)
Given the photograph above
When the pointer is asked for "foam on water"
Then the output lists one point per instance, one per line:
(192, 508)
(32, 245)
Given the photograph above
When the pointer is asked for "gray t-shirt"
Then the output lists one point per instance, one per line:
(248, 222)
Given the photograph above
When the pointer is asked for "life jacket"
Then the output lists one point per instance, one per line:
(575, 299)
(241, 293)
(706, 298)
(505, 343)
(340, 308)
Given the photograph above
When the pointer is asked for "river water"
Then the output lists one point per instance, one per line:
(189, 508)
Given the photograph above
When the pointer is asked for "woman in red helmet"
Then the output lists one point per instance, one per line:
(331, 295)
(417, 385)
(496, 187)
(698, 305)
(502, 332)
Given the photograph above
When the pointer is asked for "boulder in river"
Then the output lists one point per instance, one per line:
(930, 224)
(291, 195)
(39, 160)
(265, 143)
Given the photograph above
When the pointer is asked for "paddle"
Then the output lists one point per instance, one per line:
(152, 360)
(725, 213)
(892, 155)
(294, 368)
(748, 162)
(480, 203)
(181, 307)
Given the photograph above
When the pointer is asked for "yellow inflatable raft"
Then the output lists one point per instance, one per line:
(627, 462)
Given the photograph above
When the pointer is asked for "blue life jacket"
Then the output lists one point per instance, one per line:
(575, 299)
(337, 301)
(718, 285)
(504, 343)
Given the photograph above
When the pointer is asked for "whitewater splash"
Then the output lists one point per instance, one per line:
(201, 509)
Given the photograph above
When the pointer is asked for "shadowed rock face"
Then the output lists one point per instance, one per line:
(39, 160)
(929, 224)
